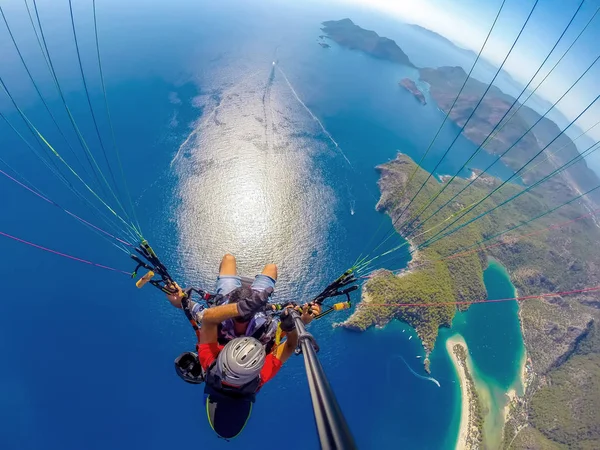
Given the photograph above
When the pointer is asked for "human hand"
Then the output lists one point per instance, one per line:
(309, 312)
(287, 321)
(176, 295)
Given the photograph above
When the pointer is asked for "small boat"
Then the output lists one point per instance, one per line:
(410, 338)
(418, 357)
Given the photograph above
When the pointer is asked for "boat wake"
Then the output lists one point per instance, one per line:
(269, 119)
(315, 118)
(418, 375)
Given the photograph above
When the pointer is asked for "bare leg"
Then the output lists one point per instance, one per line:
(270, 270)
(228, 265)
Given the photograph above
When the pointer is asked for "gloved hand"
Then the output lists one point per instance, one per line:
(287, 320)
(251, 305)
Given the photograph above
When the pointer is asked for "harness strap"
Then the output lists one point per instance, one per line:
(278, 335)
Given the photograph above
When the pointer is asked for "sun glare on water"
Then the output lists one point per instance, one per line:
(247, 182)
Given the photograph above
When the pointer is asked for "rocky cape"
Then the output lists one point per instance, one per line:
(351, 36)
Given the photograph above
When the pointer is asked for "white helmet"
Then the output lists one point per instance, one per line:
(240, 361)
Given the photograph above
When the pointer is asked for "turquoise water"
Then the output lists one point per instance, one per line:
(494, 328)
(493, 335)
(258, 177)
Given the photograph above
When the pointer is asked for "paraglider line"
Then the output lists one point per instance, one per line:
(75, 216)
(466, 302)
(64, 255)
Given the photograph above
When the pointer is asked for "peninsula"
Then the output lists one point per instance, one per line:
(411, 87)
(557, 252)
(470, 435)
(353, 37)
(557, 259)
(521, 135)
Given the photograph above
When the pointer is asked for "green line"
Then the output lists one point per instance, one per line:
(39, 92)
(560, 149)
(492, 136)
(529, 221)
(459, 134)
(40, 194)
(513, 228)
(89, 102)
(565, 166)
(30, 124)
(506, 151)
(500, 124)
(112, 131)
(114, 226)
(410, 178)
(437, 236)
(72, 118)
(52, 74)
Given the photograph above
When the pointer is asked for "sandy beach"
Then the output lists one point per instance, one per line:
(523, 369)
(463, 433)
(469, 435)
(512, 395)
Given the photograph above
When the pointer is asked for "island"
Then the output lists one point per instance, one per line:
(411, 87)
(346, 34)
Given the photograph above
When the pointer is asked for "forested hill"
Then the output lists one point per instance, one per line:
(349, 35)
(445, 84)
(550, 260)
(563, 259)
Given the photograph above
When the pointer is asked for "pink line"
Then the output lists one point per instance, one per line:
(63, 254)
(60, 207)
(519, 299)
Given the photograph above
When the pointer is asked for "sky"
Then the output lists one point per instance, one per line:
(467, 23)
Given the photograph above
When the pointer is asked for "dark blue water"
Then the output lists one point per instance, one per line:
(220, 156)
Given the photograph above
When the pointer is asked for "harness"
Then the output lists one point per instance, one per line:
(331, 424)
(262, 327)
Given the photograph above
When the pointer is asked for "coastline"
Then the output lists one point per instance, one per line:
(515, 410)
(518, 389)
(523, 372)
(469, 431)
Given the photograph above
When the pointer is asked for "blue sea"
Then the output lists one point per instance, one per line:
(223, 151)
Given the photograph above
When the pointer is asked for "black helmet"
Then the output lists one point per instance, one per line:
(188, 368)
